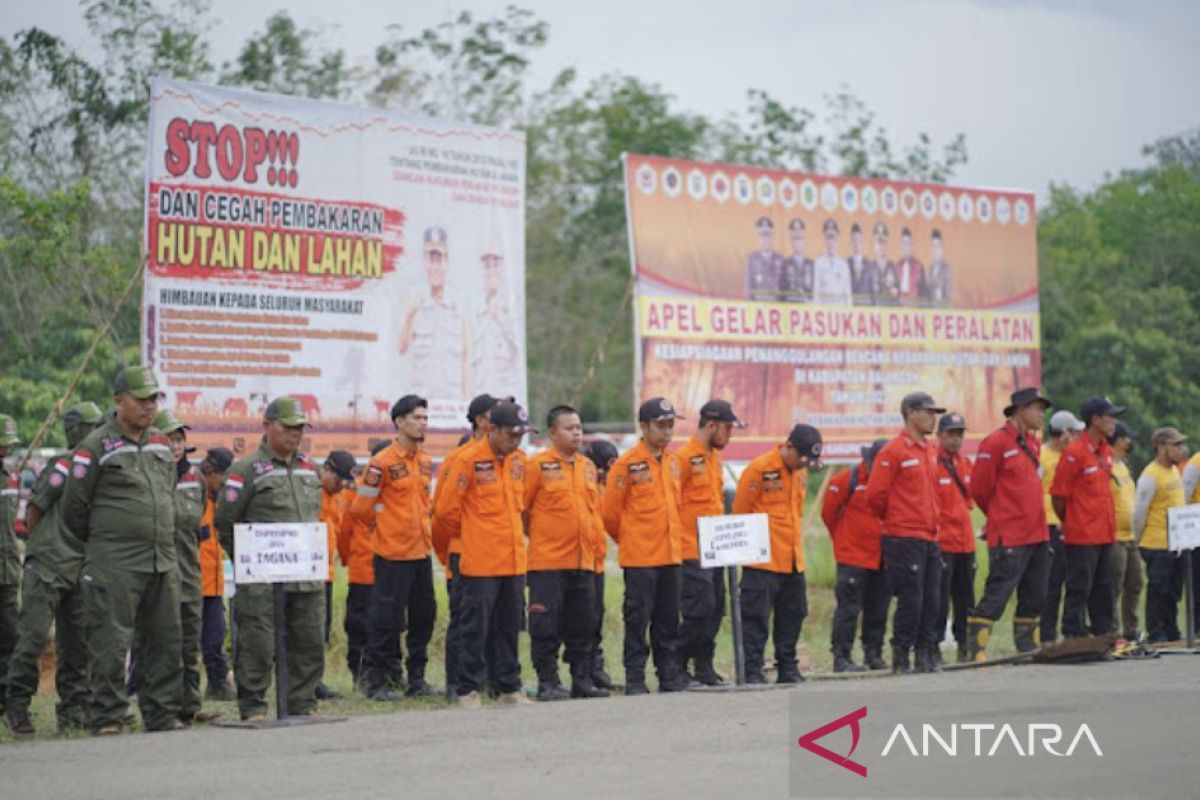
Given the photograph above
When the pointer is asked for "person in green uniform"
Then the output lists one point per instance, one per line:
(10, 558)
(276, 483)
(51, 594)
(120, 500)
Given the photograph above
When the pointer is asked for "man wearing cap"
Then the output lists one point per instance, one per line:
(861, 588)
(393, 496)
(276, 483)
(888, 289)
(434, 334)
(641, 514)
(495, 355)
(1127, 563)
(910, 273)
(1159, 488)
(562, 511)
(120, 500)
(1061, 431)
(764, 267)
(10, 558)
(831, 275)
(864, 275)
(939, 272)
(603, 454)
(1082, 498)
(356, 548)
(775, 484)
(482, 502)
(701, 490)
(1007, 487)
(51, 594)
(796, 282)
(956, 535)
(337, 493)
(903, 493)
(213, 469)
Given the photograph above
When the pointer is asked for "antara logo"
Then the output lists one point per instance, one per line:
(809, 741)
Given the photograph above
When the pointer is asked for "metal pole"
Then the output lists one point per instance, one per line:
(735, 614)
(281, 670)
(1190, 598)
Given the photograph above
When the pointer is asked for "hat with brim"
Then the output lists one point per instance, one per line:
(920, 401)
(1099, 406)
(1167, 435)
(167, 422)
(288, 411)
(513, 417)
(720, 411)
(1024, 397)
(139, 382)
(655, 409)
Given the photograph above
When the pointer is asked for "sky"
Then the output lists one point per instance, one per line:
(1046, 91)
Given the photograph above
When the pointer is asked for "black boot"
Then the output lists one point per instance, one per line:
(551, 692)
(926, 660)
(873, 656)
(1026, 634)
(581, 682)
(635, 683)
(377, 687)
(418, 687)
(962, 652)
(900, 665)
(842, 661)
(706, 674)
(600, 678)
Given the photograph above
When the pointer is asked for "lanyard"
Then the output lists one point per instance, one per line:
(949, 465)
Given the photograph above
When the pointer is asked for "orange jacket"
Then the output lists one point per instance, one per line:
(700, 491)
(455, 544)
(562, 502)
(481, 502)
(853, 528)
(641, 509)
(333, 510)
(356, 548)
(393, 496)
(902, 491)
(768, 487)
(212, 570)
(955, 532)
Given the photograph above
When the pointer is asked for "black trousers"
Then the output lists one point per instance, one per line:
(1164, 587)
(358, 606)
(1056, 578)
(865, 592)
(328, 609)
(493, 611)
(702, 605)
(212, 640)
(562, 611)
(958, 589)
(1090, 590)
(766, 594)
(1022, 568)
(914, 568)
(651, 601)
(402, 599)
(598, 616)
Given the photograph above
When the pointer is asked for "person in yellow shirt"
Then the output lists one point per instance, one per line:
(1160, 487)
(1062, 430)
(1127, 564)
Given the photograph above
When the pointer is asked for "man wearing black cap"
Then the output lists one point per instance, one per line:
(903, 494)
(1082, 497)
(1007, 486)
(797, 280)
(861, 587)
(641, 513)
(775, 484)
(602, 453)
(213, 468)
(956, 535)
(702, 600)
(764, 266)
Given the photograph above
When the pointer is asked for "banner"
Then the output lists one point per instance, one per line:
(345, 256)
(824, 300)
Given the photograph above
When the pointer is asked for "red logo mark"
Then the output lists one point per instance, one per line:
(809, 741)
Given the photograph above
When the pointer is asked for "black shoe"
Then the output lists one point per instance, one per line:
(674, 682)
(790, 676)
(900, 664)
(602, 680)
(634, 688)
(325, 693)
(548, 692)
(844, 664)
(928, 659)
(755, 677)
(419, 688)
(583, 687)
(874, 660)
(384, 694)
(706, 675)
(223, 692)
(19, 722)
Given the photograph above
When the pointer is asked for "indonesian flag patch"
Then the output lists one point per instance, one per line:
(59, 475)
(82, 461)
(233, 488)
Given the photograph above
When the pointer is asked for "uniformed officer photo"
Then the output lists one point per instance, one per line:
(496, 357)
(938, 282)
(433, 333)
(888, 292)
(764, 266)
(797, 281)
(831, 274)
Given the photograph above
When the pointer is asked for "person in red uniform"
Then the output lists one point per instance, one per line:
(956, 535)
(1006, 484)
(1082, 497)
(602, 453)
(701, 484)
(902, 492)
(861, 588)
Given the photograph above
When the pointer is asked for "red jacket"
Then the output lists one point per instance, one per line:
(902, 490)
(1084, 480)
(1007, 487)
(955, 533)
(855, 531)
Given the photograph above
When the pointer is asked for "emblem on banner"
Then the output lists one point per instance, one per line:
(908, 202)
(672, 182)
(1021, 212)
(743, 191)
(697, 184)
(720, 187)
(983, 208)
(766, 191)
(1003, 211)
(850, 197)
(966, 207)
(870, 199)
(946, 206)
(888, 200)
(647, 179)
(829, 197)
(787, 193)
(808, 195)
(928, 204)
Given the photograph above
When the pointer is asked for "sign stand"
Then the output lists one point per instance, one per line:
(1183, 537)
(735, 618)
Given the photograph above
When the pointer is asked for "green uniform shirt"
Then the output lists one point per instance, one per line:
(10, 558)
(189, 509)
(51, 545)
(264, 488)
(120, 499)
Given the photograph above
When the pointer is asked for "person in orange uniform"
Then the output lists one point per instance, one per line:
(641, 514)
(903, 494)
(603, 454)
(393, 497)
(861, 588)
(702, 599)
(1082, 497)
(216, 463)
(479, 415)
(562, 502)
(775, 484)
(482, 502)
(336, 473)
(356, 549)
(956, 535)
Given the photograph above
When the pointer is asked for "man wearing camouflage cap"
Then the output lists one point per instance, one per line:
(10, 559)
(120, 500)
(276, 483)
(51, 593)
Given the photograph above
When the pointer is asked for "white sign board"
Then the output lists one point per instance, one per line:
(1183, 528)
(735, 539)
(278, 552)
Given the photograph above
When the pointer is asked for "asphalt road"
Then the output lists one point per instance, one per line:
(694, 745)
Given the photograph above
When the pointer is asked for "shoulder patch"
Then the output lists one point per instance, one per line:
(373, 474)
(233, 488)
(82, 462)
(518, 469)
(110, 443)
(263, 467)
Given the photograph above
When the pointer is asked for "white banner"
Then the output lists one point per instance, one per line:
(734, 539)
(1183, 528)
(278, 552)
(343, 255)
